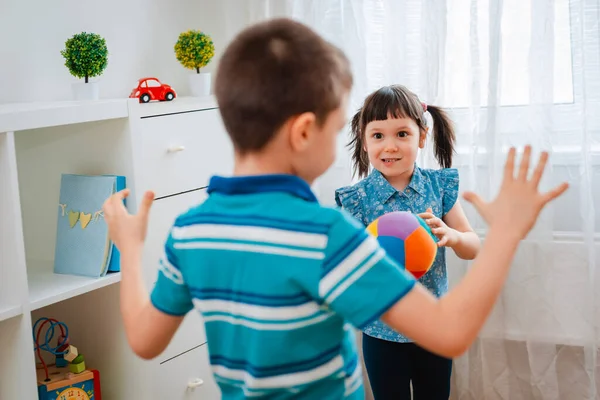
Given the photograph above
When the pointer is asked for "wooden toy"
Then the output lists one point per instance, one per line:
(55, 382)
(60, 358)
(71, 354)
(64, 385)
(61, 362)
(77, 366)
(151, 88)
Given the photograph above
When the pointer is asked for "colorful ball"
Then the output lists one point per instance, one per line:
(407, 239)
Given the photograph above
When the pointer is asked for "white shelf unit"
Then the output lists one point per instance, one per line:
(8, 312)
(39, 142)
(46, 287)
(35, 115)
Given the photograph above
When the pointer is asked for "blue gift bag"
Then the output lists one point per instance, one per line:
(83, 246)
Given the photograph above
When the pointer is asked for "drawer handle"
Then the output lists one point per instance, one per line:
(194, 383)
(175, 149)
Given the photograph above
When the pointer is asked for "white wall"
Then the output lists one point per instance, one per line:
(140, 36)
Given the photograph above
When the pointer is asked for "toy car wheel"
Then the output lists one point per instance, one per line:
(169, 96)
(144, 98)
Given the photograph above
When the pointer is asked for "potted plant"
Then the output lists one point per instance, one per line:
(86, 56)
(194, 50)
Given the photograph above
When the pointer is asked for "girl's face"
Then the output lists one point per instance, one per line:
(392, 145)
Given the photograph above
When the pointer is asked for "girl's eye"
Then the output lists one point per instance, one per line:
(377, 135)
(402, 134)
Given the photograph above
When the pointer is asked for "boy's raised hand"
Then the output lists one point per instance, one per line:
(518, 204)
(127, 231)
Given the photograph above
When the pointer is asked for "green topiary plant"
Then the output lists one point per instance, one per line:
(194, 49)
(86, 55)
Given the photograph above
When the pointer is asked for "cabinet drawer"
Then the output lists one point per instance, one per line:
(181, 151)
(162, 215)
(187, 377)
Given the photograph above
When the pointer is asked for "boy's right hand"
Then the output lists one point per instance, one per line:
(518, 204)
(127, 231)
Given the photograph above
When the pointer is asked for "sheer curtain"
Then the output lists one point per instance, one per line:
(510, 72)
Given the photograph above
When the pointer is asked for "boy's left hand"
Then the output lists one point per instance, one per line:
(127, 231)
(446, 235)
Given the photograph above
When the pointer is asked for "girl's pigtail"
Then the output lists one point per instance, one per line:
(443, 136)
(360, 159)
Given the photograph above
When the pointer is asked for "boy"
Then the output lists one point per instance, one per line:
(276, 276)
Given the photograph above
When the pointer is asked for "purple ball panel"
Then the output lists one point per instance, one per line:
(399, 224)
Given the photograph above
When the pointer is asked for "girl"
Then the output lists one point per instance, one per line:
(387, 133)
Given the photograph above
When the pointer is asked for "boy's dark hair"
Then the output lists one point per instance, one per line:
(272, 71)
(399, 102)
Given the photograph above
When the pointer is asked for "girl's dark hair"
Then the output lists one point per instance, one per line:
(399, 102)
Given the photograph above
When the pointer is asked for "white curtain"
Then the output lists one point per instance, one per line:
(511, 72)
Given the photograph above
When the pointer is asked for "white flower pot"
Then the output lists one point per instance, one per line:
(200, 84)
(86, 91)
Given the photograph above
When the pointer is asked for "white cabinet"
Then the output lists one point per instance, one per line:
(170, 147)
(162, 215)
(188, 377)
(12, 272)
(182, 371)
(181, 151)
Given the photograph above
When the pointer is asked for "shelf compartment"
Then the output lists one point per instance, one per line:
(7, 312)
(25, 116)
(46, 287)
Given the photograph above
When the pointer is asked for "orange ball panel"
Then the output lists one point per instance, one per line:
(420, 252)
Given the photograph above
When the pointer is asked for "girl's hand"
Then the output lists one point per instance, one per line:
(446, 235)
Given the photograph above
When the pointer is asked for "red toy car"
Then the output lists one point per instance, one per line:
(152, 89)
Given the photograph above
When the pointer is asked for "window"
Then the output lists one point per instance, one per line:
(523, 58)
(468, 36)
(444, 54)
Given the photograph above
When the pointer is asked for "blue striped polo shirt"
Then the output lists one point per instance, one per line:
(279, 281)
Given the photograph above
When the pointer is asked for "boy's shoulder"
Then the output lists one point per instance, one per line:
(273, 210)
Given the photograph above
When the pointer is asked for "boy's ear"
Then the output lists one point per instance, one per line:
(301, 129)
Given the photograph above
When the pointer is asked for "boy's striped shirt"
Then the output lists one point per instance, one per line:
(279, 281)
